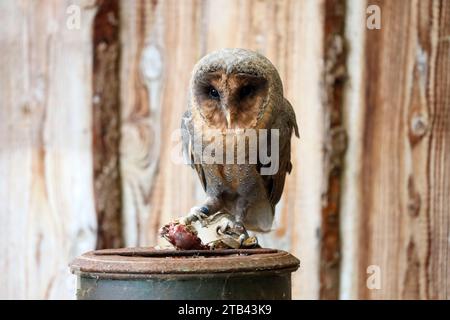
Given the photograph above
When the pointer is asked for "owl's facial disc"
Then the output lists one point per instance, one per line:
(231, 100)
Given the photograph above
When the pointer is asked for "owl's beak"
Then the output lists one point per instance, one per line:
(228, 117)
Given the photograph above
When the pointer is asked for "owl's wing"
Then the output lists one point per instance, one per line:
(286, 122)
(187, 142)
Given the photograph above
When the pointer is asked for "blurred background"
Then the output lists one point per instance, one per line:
(91, 91)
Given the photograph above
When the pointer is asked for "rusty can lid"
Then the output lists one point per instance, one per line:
(141, 262)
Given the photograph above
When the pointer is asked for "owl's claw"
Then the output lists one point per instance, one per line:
(196, 214)
(232, 228)
(224, 227)
(242, 238)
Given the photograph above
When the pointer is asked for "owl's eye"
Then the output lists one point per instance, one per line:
(246, 91)
(214, 94)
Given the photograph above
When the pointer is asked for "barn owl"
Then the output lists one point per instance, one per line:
(235, 93)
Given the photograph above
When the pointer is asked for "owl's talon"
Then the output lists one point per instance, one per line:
(226, 227)
(232, 228)
(223, 227)
(242, 239)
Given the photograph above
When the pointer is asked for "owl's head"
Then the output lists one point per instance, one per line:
(232, 88)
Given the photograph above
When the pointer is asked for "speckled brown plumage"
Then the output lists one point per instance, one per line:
(235, 89)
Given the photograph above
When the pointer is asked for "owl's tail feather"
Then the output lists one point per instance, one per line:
(259, 217)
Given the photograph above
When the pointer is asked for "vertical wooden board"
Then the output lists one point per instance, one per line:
(353, 113)
(179, 189)
(106, 124)
(299, 210)
(136, 165)
(160, 46)
(303, 81)
(47, 214)
(436, 193)
(334, 77)
(404, 217)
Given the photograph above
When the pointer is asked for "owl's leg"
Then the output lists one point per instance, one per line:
(211, 206)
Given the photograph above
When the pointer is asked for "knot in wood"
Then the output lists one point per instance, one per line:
(419, 125)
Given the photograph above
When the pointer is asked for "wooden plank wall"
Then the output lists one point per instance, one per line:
(87, 117)
(401, 151)
(47, 211)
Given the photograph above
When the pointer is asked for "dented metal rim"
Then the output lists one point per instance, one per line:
(149, 262)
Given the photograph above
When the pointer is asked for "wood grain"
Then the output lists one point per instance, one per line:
(161, 49)
(47, 207)
(106, 124)
(335, 143)
(353, 115)
(404, 219)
